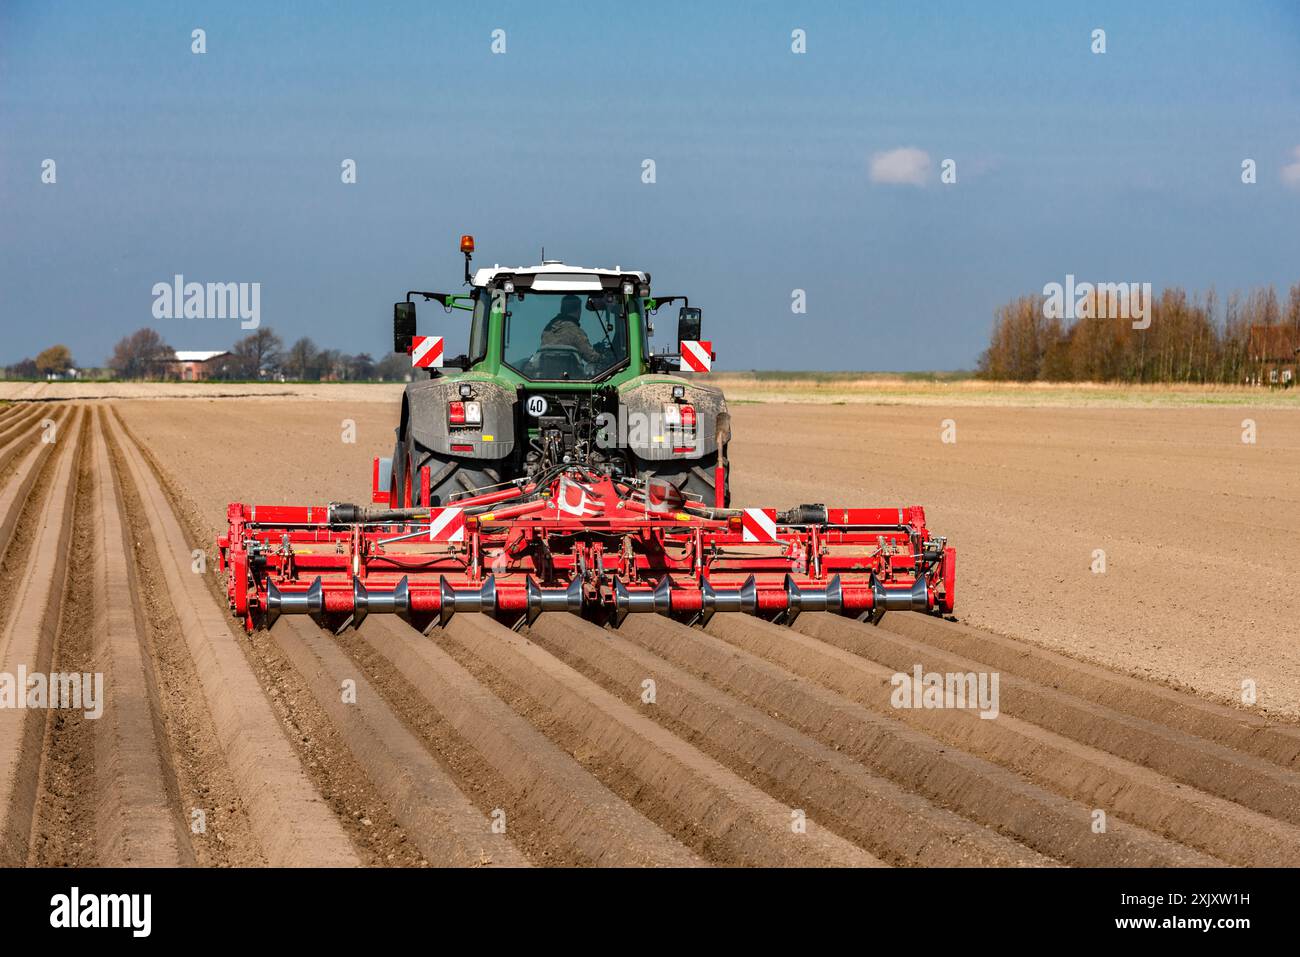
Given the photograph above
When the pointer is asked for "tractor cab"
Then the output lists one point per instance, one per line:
(559, 323)
(557, 370)
(551, 323)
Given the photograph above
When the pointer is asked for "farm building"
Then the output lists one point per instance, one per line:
(1274, 353)
(195, 366)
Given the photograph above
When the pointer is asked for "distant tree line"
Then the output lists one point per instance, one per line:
(261, 355)
(55, 361)
(1201, 339)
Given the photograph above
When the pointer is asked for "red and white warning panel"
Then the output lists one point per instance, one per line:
(758, 525)
(577, 498)
(447, 525)
(426, 352)
(697, 355)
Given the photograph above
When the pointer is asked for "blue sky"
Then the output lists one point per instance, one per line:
(226, 166)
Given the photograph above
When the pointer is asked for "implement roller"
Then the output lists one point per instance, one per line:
(586, 543)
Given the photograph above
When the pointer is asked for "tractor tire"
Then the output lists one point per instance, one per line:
(448, 475)
(693, 477)
(397, 477)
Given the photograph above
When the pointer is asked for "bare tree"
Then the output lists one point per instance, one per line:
(394, 367)
(257, 354)
(300, 362)
(1188, 340)
(329, 363)
(23, 369)
(141, 354)
(361, 367)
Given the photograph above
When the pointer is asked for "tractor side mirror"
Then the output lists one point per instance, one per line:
(403, 326)
(689, 320)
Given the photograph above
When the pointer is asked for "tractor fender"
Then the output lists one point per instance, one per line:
(424, 415)
(649, 399)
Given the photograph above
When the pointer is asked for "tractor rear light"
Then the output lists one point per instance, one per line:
(460, 447)
(465, 413)
(679, 417)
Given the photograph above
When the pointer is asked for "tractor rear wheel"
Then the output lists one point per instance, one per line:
(448, 475)
(694, 478)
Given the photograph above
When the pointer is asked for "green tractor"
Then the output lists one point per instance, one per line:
(558, 373)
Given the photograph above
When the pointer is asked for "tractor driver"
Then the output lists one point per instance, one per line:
(565, 331)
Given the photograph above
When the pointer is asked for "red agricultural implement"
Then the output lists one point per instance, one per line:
(584, 542)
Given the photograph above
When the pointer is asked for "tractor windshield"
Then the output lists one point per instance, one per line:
(565, 335)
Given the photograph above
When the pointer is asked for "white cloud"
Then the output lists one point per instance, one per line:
(906, 166)
(1291, 171)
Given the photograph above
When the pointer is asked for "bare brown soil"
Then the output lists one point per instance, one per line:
(63, 832)
(1195, 524)
(1121, 692)
(1197, 527)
